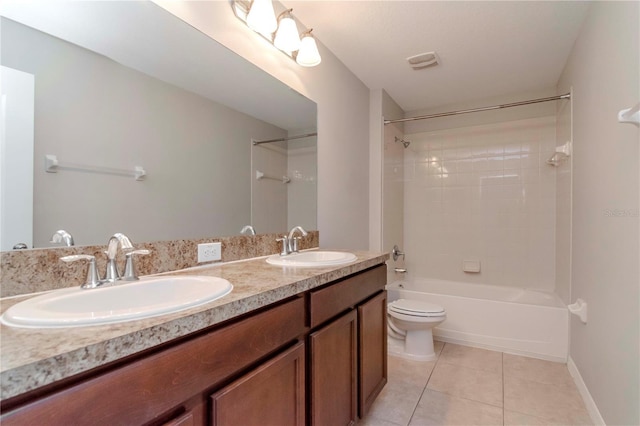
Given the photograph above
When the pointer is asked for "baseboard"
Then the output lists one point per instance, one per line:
(590, 404)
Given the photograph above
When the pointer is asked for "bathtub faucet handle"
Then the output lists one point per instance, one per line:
(396, 253)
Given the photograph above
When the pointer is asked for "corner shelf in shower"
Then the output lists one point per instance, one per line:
(563, 152)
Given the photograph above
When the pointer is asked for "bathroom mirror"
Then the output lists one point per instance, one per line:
(143, 125)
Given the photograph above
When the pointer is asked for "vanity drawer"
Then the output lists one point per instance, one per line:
(328, 302)
(139, 392)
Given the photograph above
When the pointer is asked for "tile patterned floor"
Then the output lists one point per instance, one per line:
(471, 386)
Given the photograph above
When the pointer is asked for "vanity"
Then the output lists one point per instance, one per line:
(287, 346)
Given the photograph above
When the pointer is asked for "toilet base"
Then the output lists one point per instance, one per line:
(415, 347)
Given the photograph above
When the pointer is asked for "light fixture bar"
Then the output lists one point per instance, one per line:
(284, 36)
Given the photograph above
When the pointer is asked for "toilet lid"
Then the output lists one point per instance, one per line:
(416, 307)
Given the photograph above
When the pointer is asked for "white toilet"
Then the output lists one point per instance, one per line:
(413, 322)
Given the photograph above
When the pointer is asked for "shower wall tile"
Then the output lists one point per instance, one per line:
(483, 192)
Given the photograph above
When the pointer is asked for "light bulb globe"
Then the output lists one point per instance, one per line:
(308, 55)
(262, 18)
(287, 38)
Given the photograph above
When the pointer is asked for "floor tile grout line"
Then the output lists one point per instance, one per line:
(426, 384)
(462, 397)
(468, 367)
(466, 399)
(502, 371)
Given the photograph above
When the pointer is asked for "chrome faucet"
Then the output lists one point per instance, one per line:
(62, 237)
(293, 240)
(290, 243)
(116, 240)
(248, 230)
(111, 274)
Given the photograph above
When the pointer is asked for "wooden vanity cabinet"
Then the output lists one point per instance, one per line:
(317, 358)
(347, 355)
(174, 380)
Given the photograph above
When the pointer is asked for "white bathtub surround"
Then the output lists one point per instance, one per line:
(485, 193)
(520, 321)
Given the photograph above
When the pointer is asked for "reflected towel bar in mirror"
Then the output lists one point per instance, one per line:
(260, 175)
(52, 165)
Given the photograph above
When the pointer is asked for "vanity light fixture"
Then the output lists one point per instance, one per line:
(282, 31)
(261, 17)
(287, 37)
(308, 55)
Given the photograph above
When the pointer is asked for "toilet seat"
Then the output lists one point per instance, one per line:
(416, 308)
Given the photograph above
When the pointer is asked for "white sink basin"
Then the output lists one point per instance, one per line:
(311, 259)
(145, 298)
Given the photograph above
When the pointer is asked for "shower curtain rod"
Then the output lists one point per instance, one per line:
(488, 108)
(284, 139)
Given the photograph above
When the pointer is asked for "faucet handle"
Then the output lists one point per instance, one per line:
(285, 245)
(293, 244)
(396, 253)
(92, 280)
(130, 267)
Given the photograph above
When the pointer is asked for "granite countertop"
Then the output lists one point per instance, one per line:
(31, 358)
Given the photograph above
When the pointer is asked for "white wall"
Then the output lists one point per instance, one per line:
(376, 136)
(603, 69)
(483, 193)
(343, 119)
(382, 107)
(16, 158)
(563, 204)
(393, 202)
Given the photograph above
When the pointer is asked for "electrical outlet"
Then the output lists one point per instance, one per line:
(209, 252)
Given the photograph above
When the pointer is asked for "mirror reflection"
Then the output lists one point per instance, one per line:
(151, 123)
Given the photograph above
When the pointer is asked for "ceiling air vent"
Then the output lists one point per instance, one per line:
(423, 60)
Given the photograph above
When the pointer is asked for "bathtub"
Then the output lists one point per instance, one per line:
(520, 321)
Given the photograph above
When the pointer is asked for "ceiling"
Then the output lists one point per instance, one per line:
(486, 48)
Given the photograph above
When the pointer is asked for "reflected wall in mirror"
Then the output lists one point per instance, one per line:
(284, 184)
(125, 84)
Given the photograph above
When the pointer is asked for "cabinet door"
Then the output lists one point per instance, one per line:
(372, 351)
(333, 357)
(272, 394)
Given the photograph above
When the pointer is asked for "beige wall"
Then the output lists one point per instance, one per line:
(604, 72)
(343, 119)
